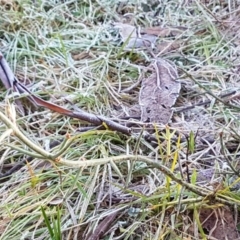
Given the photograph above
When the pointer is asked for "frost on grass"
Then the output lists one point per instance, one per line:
(76, 51)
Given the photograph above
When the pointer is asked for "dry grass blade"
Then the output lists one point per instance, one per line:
(103, 184)
(103, 226)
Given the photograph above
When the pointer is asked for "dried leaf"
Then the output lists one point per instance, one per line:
(219, 223)
(147, 41)
(206, 175)
(126, 31)
(103, 226)
(129, 35)
(159, 93)
(166, 46)
(163, 31)
(4, 221)
(80, 56)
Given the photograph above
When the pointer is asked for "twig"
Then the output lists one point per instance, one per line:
(24, 139)
(193, 188)
(204, 103)
(11, 82)
(4, 176)
(209, 92)
(207, 194)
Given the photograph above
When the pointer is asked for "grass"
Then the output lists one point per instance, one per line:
(70, 53)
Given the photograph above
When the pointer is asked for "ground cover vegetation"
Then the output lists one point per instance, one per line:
(174, 177)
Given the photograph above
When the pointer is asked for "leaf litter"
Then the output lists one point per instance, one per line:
(159, 93)
(219, 223)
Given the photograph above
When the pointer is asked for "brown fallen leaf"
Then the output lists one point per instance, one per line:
(133, 39)
(4, 221)
(159, 93)
(168, 46)
(163, 31)
(219, 223)
(104, 225)
(80, 56)
(145, 41)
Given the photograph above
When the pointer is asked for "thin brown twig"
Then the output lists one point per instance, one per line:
(188, 75)
(11, 82)
(207, 194)
(183, 109)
